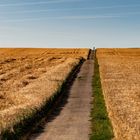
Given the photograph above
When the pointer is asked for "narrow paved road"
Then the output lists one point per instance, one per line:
(72, 122)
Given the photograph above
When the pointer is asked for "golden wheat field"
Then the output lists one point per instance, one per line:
(29, 77)
(120, 78)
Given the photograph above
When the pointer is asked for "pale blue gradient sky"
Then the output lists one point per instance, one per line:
(70, 23)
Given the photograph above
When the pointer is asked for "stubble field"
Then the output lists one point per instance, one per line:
(120, 78)
(29, 77)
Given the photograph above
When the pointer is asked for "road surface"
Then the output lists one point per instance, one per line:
(71, 121)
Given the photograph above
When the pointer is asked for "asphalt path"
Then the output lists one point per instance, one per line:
(73, 120)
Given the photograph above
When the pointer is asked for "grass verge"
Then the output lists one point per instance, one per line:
(101, 125)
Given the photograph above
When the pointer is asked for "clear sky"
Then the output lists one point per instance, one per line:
(69, 23)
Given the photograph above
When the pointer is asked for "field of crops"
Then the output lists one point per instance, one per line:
(120, 78)
(29, 77)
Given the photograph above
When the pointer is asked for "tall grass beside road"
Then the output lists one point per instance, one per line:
(101, 125)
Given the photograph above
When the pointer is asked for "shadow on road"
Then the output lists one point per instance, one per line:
(56, 108)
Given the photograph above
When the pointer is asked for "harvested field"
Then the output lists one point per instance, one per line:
(120, 78)
(29, 77)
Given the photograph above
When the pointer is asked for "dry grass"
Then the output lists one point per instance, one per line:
(29, 77)
(120, 77)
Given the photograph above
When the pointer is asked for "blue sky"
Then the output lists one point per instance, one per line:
(70, 23)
